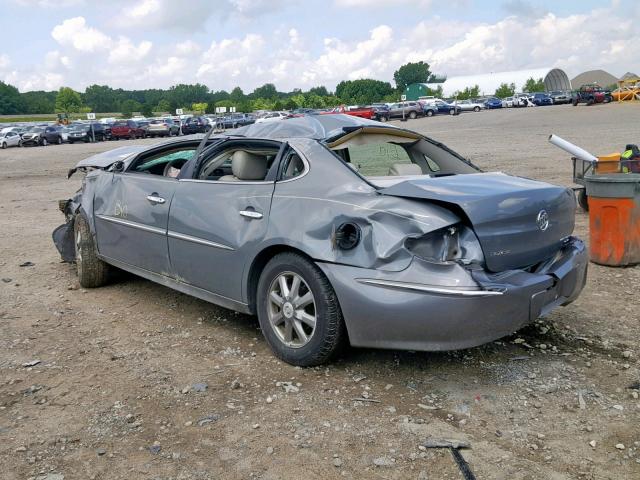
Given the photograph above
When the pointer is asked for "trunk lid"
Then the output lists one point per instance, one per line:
(519, 222)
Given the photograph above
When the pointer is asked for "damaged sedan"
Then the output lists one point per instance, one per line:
(331, 229)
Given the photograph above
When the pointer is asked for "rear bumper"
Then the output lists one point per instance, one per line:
(428, 307)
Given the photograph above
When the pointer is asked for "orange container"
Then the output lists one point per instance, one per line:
(614, 218)
(608, 163)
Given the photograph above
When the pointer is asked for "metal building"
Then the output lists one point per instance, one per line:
(554, 79)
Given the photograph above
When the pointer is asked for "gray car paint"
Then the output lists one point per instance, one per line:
(421, 306)
(488, 198)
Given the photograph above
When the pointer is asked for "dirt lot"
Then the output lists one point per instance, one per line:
(135, 381)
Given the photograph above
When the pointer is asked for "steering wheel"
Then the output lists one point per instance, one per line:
(172, 168)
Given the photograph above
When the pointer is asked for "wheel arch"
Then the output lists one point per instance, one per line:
(257, 266)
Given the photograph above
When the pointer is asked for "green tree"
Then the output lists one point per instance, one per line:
(532, 85)
(236, 95)
(163, 106)
(505, 90)
(10, 100)
(467, 93)
(362, 91)
(262, 104)
(182, 96)
(147, 110)
(68, 101)
(199, 107)
(320, 91)
(129, 107)
(39, 102)
(410, 73)
(100, 98)
(268, 91)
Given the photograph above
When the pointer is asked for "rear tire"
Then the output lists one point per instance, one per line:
(413, 115)
(92, 272)
(429, 113)
(320, 342)
(583, 200)
(452, 112)
(59, 140)
(476, 109)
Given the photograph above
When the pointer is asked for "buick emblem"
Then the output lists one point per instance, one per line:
(542, 220)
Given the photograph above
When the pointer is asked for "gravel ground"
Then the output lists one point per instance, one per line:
(135, 381)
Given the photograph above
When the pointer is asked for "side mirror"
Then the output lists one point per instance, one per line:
(118, 167)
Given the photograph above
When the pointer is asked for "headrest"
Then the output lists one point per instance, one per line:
(247, 166)
(402, 169)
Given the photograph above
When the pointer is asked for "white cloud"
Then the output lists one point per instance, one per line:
(294, 56)
(75, 33)
(49, 3)
(5, 62)
(125, 52)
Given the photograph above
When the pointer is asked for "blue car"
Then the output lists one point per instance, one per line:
(444, 107)
(541, 99)
(493, 103)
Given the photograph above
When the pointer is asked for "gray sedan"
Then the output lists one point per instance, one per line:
(331, 229)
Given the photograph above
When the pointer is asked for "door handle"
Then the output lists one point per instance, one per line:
(154, 198)
(252, 214)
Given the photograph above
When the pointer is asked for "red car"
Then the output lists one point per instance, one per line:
(127, 129)
(591, 94)
(362, 112)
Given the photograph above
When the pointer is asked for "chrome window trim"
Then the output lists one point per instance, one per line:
(128, 223)
(430, 288)
(198, 240)
(239, 182)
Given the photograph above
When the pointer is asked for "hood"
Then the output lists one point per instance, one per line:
(106, 159)
(519, 222)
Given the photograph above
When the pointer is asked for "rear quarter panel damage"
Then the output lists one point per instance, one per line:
(306, 211)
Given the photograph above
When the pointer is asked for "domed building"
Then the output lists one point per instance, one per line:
(554, 79)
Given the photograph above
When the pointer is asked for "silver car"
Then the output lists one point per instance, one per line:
(469, 105)
(331, 229)
(10, 139)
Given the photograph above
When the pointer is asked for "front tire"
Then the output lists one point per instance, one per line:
(476, 109)
(92, 272)
(4, 145)
(59, 140)
(298, 311)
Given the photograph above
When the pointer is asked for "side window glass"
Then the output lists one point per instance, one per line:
(433, 166)
(293, 166)
(166, 164)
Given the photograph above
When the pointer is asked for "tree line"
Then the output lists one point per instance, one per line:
(199, 98)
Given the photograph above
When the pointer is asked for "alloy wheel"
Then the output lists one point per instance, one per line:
(291, 309)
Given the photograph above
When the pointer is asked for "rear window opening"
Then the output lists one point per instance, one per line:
(385, 157)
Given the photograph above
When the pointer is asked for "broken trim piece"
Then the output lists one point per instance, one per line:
(430, 288)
